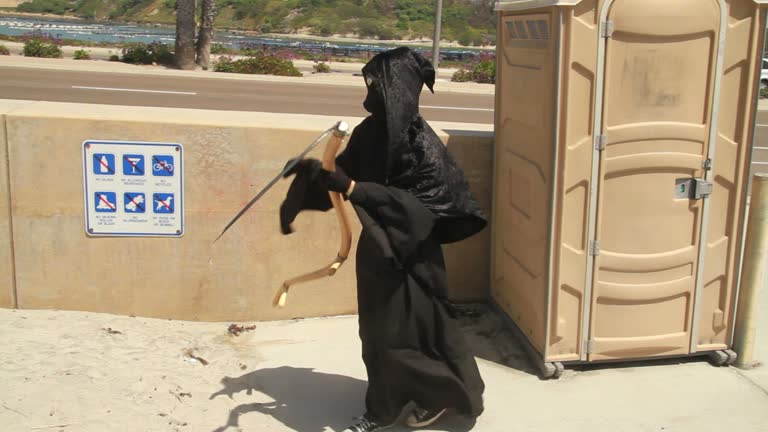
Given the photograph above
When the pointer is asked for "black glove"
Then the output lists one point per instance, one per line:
(336, 181)
(307, 192)
(305, 166)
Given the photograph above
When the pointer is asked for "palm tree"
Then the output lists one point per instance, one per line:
(185, 34)
(205, 35)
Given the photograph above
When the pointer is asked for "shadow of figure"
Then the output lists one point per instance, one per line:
(310, 401)
(304, 400)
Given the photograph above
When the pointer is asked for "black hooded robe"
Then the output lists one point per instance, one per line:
(410, 197)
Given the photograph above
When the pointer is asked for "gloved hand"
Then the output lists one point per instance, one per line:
(305, 166)
(336, 181)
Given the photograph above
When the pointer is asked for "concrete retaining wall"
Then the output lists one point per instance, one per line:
(229, 156)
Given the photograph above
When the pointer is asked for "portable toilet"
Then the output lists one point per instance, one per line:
(623, 138)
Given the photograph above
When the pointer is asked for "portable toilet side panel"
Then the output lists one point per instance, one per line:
(524, 158)
(575, 153)
(666, 248)
(730, 169)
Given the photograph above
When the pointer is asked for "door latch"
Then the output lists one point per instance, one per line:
(692, 188)
(703, 189)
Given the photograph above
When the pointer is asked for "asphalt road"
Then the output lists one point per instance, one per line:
(222, 94)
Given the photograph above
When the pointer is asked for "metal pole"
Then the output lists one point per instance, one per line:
(436, 38)
(754, 272)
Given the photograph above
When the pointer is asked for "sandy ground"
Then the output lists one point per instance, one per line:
(73, 371)
(80, 371)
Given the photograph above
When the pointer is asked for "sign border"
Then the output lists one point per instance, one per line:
(143, 143)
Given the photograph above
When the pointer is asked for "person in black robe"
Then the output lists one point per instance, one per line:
(411, 198)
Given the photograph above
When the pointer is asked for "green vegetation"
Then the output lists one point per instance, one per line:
(141, 53)
(470, 22)
(42, 45)
(63, 41)
(482, 70)
(4, 50)
(82, 54)
(258, 62)
(321, 67)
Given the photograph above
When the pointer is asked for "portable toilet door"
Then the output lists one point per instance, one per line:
(669, 176)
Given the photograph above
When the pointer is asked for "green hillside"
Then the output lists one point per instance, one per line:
(470, 22)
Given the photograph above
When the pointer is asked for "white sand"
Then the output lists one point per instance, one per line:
(63, 371)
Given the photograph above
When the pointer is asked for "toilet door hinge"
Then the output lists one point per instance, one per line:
(594, 248)
(607, 28)
(600, 142)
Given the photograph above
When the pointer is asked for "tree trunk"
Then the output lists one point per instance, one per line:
(205, 36)
(185, 34)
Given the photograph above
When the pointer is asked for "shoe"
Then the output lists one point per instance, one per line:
(420, 417)
(366, 425)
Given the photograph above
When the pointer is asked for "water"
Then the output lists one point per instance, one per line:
(121, 33)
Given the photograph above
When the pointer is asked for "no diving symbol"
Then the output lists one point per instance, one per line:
(162, 165)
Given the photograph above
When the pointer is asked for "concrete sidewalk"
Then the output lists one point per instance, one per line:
(307, 376)
(346, 74)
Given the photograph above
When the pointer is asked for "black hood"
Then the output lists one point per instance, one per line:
(394, 79)
(394, 146)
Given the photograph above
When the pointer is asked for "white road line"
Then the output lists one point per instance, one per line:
(133, 90)
(457, 108)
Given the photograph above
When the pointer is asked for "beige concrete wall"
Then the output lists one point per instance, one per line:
(468, 261)
(229, 156)
(7, 296)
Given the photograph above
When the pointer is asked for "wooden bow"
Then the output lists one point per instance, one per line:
(329, 164)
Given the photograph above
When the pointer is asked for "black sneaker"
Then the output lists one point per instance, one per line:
(366, 425)
(421, 418)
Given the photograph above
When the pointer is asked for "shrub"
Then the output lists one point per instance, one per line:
(41, 47)
(218, 48)
(114, 58)
(141, 53)
(322, 67)
(82, 54)
(58, 7)
(4, 50)
(258, 62)
(482, 69)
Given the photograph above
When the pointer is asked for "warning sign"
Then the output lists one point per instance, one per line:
(163, 203)
(103, 164)
(133, 188)
(134, 202)
(133, 165)
(162, 165)
(105, 202)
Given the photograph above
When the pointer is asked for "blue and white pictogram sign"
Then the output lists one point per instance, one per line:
(103, 164)
(105, 202)
(133, 188)
(134, 202)
(163, 202)
(162, 165)
(133, 165)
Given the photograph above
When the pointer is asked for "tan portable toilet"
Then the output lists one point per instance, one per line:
(623, 137)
